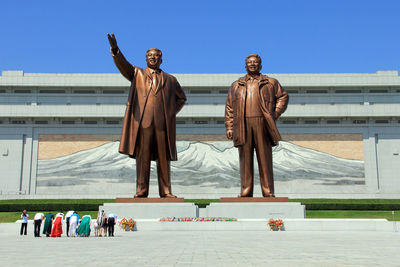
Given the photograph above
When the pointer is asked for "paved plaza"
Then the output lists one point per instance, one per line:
(202, 248)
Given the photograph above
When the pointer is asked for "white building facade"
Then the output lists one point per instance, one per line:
(341, 137)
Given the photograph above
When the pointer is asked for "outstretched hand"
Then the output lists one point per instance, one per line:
(112, 40)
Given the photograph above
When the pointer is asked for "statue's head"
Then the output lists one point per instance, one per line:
(154, 58)
(253, 64)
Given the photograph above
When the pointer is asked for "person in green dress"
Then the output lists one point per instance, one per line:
(84, 226)
(48, 224)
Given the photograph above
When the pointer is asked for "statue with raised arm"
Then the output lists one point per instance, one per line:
(149, 128)
(253, 104)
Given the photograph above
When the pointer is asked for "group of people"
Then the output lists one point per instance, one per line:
(75, 226)
(105, 224)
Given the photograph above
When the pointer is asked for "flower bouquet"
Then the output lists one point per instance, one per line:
(276, 225)
(127, 225)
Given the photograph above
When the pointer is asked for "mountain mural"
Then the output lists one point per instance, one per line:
(213, 164)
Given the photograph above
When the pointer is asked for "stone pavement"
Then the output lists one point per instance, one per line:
(207, 248)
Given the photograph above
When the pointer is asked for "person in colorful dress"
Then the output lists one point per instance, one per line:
(84, 226)
(67, 216)
(48, 223)
(57, 226)
(73, 224)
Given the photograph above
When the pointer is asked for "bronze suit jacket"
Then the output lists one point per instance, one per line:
(273, 102)
(173, 99)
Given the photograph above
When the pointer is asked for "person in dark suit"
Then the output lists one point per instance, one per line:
(149, 128)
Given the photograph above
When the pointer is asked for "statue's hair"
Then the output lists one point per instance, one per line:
(154, 49)
(253, 55)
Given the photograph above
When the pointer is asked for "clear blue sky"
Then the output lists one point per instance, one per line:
(202, 36)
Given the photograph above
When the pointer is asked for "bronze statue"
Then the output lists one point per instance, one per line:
(149, 128)
(253, 104)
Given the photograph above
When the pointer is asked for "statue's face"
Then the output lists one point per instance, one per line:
(253, 66)
(153, 59)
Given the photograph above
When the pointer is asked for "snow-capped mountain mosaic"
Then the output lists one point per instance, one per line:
(213, 165)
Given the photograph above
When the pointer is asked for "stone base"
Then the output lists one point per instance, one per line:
(255, 210)
(254, 199)
(149, 200)
(290, 225)
(151, 210)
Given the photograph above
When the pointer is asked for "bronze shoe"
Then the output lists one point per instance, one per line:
(140, 196)
(169, 196)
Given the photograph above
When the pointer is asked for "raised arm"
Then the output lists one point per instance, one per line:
(126, 69)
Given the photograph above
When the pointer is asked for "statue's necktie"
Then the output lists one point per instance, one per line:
(155, 82)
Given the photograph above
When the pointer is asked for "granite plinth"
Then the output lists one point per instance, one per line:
(151, 210)
(254, 210)
(149, 200)
(254, 199)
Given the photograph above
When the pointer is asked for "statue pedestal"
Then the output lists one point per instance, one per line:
(149, 200)
(254, 199)
(258, 208)
(239, 208)
(151, 209)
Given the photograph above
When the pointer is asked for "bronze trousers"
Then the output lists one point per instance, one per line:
(256, 138)
(152, 140)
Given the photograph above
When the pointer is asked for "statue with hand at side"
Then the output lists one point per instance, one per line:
(149, 128)
(254, 103)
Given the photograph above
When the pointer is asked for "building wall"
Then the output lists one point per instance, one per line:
(348, 118)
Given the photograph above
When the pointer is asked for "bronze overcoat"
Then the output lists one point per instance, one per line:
(273, 102)
(173, 99)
